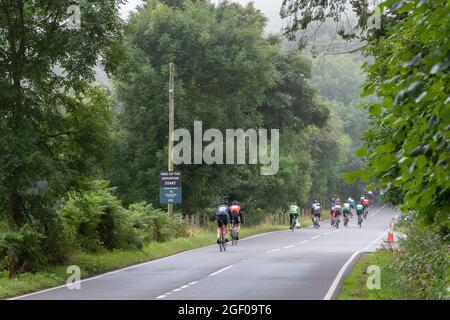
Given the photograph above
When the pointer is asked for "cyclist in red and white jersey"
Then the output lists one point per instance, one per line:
(236, 217)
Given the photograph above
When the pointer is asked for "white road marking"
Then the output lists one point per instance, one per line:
(303, 242)
(221, 270)
(192, 283)
(326, 233)
(316, 237)
(161, 297)
(274, 250)
(336, 230)
(176, 290)
(337, 280)
(288, 247)
(134, 266)
(184, 287)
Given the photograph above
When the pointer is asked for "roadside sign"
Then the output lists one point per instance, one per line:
(170, 190)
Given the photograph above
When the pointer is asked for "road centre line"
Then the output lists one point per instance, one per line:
(221, 270)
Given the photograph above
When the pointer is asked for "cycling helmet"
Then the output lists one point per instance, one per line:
(235, 202)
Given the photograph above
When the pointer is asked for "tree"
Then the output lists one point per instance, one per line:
(53, 122)
(229, 75)
(408, 148)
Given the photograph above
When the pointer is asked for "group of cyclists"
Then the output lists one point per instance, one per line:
(348, 209)
(337, 209)
(229, 217)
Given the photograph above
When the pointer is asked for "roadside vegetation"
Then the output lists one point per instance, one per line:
(80, 163)
(406, 148)
(420, 269)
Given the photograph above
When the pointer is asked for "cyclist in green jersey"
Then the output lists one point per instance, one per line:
(293, 215)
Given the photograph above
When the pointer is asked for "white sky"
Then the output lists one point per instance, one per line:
(270, 8)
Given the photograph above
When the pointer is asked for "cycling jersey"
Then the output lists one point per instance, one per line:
(337, 209)
(316, 209)
(346, 209)
(236, 214)
(235, 209)
(222, 215)
(366, 202)
(293, 209)
(359, 208)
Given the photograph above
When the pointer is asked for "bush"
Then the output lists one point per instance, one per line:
(96, 220)
(155, 225)
(423, 263)
(20, 249)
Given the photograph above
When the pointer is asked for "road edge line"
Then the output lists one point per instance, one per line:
(337, 281)
(128, 268)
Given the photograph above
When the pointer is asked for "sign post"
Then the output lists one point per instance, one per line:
(170, 191)
(171, 126)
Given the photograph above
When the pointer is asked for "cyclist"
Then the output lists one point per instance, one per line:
(293, 215)
(370, 196)
(346, 211)
(315, 212)
(236, 217)
(360, 212)
(337, 210)
(366, 203)
(352, 205)
(222, 219)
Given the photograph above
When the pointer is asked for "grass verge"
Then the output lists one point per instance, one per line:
(355, 286)
(93, 264)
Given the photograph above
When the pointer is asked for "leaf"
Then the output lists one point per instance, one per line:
(362, 151)
(375, 109)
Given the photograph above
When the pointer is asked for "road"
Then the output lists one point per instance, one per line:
(304, 264)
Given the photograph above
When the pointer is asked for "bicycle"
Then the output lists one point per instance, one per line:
(366, 213)
(360, 220)
(345, 220)
(233, 235)
(222, 240)
(316, 221)
(293, 223)
(337, 221)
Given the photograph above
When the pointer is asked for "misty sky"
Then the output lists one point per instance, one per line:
(270, 8)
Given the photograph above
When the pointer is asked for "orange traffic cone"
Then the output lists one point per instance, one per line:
(390, 235)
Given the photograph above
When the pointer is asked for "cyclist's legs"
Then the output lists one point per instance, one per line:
(221, 227)
(317, 217)
(237, 224)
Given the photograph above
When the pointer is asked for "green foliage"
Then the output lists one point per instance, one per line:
(20, 249)
(301, 13)
(96, 219)
(409, 144)
(155, 225)
(423, 265)
(52, 121)
(228, 76)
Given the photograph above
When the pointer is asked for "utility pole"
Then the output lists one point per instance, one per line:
(171, 124)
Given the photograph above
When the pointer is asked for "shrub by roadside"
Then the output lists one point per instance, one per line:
(419, 270)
